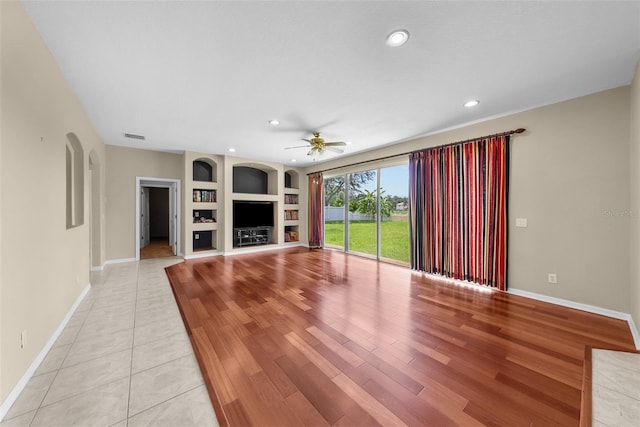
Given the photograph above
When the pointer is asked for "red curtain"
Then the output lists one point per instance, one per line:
(315, 210)
(458, 211)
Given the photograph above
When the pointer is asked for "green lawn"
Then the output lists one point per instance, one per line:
(394, 236)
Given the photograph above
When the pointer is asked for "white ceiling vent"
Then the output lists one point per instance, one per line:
(134, 136)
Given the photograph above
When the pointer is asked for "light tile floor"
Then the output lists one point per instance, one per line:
(615, 389)
(124, 359)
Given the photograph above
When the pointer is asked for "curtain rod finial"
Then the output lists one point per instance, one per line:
(519, 130)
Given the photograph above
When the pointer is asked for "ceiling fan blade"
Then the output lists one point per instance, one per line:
(335, 150)
(306, 140)
(297, 146)
(335, 144)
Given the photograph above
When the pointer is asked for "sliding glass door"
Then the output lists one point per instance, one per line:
(366, 213)
(363, 208)
(334, 199)
(394, 205)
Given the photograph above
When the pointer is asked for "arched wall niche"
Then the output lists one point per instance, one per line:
(74, 181)
(291, 179)
(205, 170)
(254, 178)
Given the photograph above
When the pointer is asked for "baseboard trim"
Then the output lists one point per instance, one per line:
(119, 261)
(202, 255)
(634, 332)
(265, 248)
(584, 307)
(19, 387)
(249, 250)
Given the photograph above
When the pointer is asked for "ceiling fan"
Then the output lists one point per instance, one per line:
(318, 145)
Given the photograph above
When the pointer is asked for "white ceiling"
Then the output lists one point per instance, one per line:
(208, 76)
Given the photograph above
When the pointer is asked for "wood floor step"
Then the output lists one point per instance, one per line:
(318, 337)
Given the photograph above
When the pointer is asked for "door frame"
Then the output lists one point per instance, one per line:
(346, 174)
(145, 217)
(174, 208)
(96, 239)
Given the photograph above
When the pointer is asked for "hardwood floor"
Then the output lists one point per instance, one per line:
(158, 248)
(298, 337)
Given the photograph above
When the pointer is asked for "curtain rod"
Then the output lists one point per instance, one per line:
(509, 132)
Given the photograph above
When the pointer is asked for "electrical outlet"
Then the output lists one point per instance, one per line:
(521, 222)
(553, 278)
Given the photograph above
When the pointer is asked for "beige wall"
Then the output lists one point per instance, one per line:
(570, 179)
(635, 197)
(45, 267)
(3, 393)
(123, 165)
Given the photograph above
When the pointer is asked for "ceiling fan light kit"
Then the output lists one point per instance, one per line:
(317, 145)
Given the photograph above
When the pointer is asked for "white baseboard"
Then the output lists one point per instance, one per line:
(13, 395)
(248, 250)
(202, 255)
(634, 332)
(584, 307)
(265, 248)
(119, 261)
(294, 244)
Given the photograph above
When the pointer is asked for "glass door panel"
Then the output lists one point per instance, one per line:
(334, 198)
(363, 206)
(394, 203)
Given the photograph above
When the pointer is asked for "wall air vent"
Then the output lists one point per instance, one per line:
(134, 136)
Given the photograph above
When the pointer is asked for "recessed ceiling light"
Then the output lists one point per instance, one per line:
(348, 142)
(471, 103)
(274, 122)
(293, 160)
(397, 38)
(232, 150)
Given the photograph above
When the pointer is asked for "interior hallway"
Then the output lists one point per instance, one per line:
(158, 248)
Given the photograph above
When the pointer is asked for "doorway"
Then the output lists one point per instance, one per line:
(95, 214)
(157, 218)
(155, 215)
